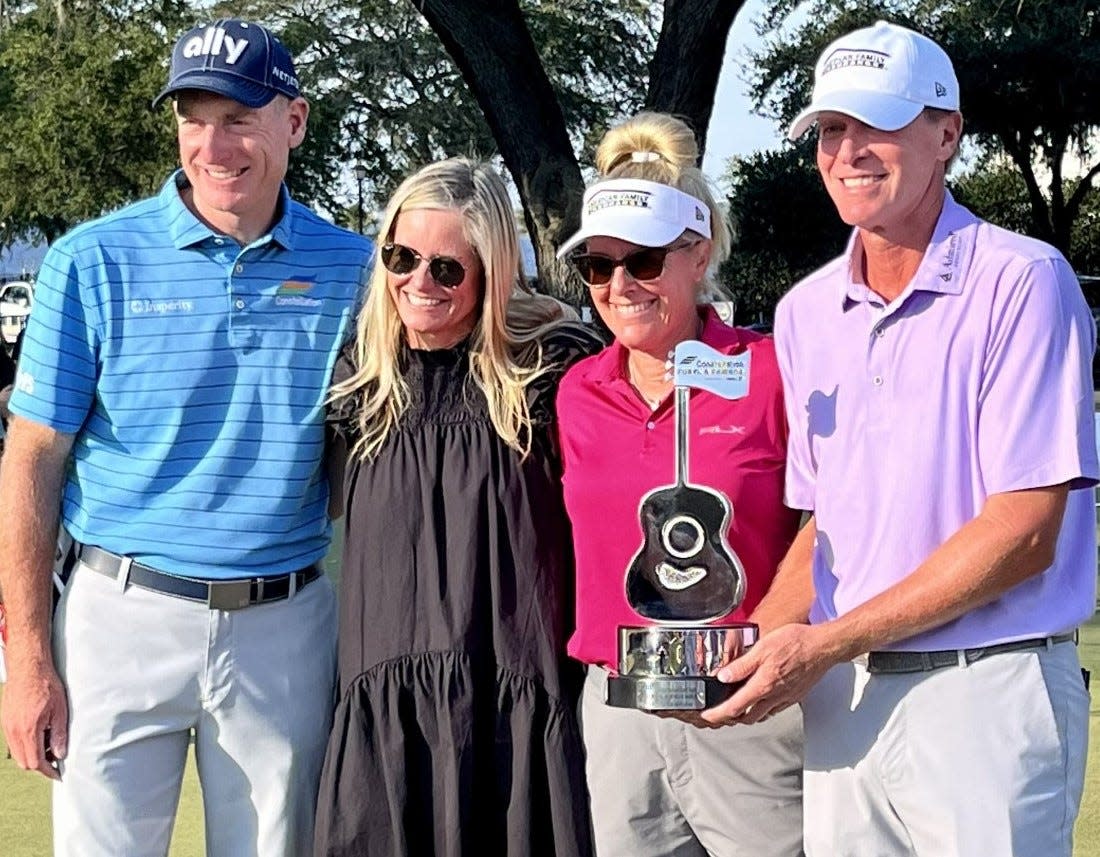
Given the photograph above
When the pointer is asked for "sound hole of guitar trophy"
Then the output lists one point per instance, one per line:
(685, 576)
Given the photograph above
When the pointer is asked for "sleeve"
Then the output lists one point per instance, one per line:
(58, 365)
(801, 474)
(561, 349)
(340, 413)
(1035, 420)
(565, 412)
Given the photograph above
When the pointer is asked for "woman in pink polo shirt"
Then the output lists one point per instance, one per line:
(651, 234)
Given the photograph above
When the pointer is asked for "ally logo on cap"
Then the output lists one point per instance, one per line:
(232, 58)
(212, 42)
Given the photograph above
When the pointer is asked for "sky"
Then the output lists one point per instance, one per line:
(734, 129)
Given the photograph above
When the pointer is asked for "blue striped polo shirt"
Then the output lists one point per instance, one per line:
(193, 373)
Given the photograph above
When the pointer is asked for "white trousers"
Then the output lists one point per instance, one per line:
(662, 788)
(143, 670)
(985, 760)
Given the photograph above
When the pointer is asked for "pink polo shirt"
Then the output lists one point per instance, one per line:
(615, 450)
(905, 418)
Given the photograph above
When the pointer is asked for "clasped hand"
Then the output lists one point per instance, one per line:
(774, 674)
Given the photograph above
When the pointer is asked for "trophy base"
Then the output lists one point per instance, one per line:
(667, 693)
(671, 667)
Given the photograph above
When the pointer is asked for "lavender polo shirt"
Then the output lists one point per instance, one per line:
(905, 417)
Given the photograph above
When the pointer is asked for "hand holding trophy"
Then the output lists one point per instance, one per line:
(685, 575)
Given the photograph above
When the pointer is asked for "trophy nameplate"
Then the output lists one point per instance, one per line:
(685, 576)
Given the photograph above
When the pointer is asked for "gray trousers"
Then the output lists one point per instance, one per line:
(986, 759)
(662, 788)
(143, 670)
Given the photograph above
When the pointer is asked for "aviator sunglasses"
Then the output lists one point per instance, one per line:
(645, 264)
(446, 271)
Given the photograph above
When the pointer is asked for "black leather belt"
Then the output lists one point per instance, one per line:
(216, 594)
(916, 662)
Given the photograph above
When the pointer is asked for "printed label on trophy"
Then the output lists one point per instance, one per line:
(685, 574)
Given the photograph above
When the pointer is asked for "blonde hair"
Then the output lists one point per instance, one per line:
(505, 354)
(658, 147)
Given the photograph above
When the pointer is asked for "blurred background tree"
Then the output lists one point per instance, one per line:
(531, 85)
(1028, 74)
(393, 84)
(77, 137)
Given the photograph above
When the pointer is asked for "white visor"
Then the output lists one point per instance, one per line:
(649, 214)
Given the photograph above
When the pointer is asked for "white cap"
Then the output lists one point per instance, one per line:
(884, 76)
(650, 214)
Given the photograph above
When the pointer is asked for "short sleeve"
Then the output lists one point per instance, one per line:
(801, 475)
(1036, 426)
(58, 364)
(340, 412)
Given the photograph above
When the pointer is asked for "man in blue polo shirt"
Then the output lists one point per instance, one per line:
(169, 403)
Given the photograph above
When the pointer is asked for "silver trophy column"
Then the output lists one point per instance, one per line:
(685, 576)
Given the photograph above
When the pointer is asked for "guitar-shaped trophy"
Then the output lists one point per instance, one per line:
(685, 575)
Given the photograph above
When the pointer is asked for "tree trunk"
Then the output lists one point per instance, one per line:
(683, 74)
(1019, 152)
(489, 42)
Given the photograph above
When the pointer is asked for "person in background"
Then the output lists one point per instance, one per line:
(938, 387)
(170, 406)
(455, 732)
(8, 364)
(651, 234)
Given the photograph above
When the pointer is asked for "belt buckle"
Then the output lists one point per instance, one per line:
(229, 594)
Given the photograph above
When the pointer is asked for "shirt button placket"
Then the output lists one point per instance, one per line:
(238, 327)
(877, 333)
(238, 302)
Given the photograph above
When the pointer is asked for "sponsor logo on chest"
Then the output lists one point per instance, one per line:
(295, 292)
(145, 306)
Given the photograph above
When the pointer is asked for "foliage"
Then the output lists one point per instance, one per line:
(1028, 73)
(77, 137)
(994, 190)
(384, 93)
(785, 226)
(393, 84)
(1084, 248)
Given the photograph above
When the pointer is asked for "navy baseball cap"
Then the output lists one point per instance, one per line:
(233, 58)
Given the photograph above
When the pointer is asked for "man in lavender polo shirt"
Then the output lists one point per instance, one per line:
(939, 395)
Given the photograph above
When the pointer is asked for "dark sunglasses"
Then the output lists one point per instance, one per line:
(645, 264)
(400, 259)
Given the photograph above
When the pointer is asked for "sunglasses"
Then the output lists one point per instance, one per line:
(446, 271)
(645, 264)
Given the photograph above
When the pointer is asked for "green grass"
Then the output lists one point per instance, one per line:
(1087, 840)
(25, 798)
(25, 814)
